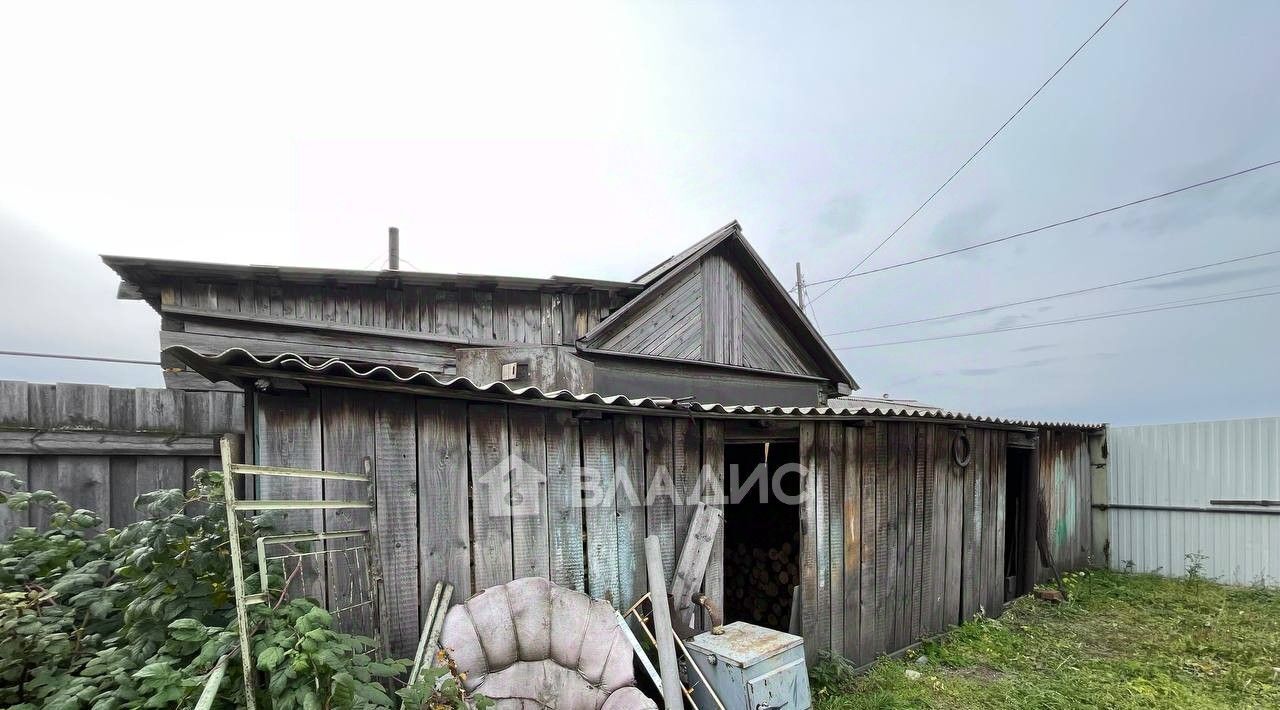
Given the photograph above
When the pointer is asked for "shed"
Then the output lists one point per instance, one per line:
(904, 520)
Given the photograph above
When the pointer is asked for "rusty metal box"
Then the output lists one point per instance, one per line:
(751, 668)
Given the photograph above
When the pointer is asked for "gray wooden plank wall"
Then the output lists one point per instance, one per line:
(899, 541)
(376, 324)
(99, 447)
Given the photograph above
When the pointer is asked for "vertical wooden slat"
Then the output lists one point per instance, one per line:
(444, 511)
(628, 451)
(601, 508)
(969, 591)
(834, 476)
(564, 500)
(15, 409)
(289, 434)
(953, 601)
(938, 618)
(811, 614)
(892, 527)
(41, 406)
(551, 327)
(501, 323)
(491, 496)
(82, 406)
(998, 515)
(712, 485)
(886, 535)
(444, 313)
(904, 476)
(868, 617)
(85, 481)
(396, 467)
(659, 488)
(530, 537)
(349, 446)
(851, 502)
(42, 474)
(920, 531)
(686, 445)
(158, 410)
(12, 519)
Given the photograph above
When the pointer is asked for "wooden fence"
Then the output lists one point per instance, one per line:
(99, 447)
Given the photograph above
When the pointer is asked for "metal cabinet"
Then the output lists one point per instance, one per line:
(752, 668)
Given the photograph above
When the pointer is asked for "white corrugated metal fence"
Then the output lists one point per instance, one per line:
(1198, 489)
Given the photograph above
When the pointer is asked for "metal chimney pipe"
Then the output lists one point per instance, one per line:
(393, 249)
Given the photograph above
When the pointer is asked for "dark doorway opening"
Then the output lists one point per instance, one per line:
(1020, 522)
(762, 532)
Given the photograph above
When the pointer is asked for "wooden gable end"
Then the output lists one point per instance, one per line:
(712, 312)
(671, 326)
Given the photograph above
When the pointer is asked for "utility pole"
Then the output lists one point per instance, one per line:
(799, 288)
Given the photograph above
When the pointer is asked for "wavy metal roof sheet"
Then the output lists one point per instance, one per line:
(215, 367)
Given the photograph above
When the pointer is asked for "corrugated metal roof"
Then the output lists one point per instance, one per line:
(855, 403)
(247, 365)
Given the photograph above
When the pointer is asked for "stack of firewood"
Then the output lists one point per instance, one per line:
(758, 584)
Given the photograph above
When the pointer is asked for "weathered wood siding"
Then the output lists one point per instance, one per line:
(99, 447)
(1066, 480)
(413, 325)
(919, 544)
(898, 541)
(710, 312)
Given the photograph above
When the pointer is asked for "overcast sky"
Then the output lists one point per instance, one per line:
(596, 139)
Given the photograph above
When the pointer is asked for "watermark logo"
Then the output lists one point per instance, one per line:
(514, 488)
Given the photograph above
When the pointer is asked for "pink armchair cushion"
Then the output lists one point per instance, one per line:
(533, 644)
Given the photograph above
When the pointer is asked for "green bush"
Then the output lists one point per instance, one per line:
(139, 617)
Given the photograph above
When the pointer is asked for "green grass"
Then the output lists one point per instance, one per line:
(1122, 641)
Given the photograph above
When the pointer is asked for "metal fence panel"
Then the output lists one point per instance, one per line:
(1188, 466)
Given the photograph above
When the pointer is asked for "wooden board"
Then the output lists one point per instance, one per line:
(289, 435)
(712, 485)
(851, 502)
(348, 419)
(600, 507)
(530, 536)
(833, 477)
(491, 497)
(564, 501)
(660, 488)
(955, 532)
(629, 470)
(396, 467)
(886, 537)
(444, 505)
(13, 519)
(868, 608)
(971, 589)
(687, 461)
(816, 631)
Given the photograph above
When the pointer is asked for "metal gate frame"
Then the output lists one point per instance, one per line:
(231, 469)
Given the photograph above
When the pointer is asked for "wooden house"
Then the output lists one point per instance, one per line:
(894, 521)
(711, 323)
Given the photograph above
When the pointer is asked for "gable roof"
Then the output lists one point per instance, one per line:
(729, 239)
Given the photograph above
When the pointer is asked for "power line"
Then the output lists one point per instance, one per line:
(1042, 228)
(985, 143)
(1081, 319)
(1063, 294)
(91, 358)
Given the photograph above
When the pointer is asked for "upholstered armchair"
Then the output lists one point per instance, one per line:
(530, 644)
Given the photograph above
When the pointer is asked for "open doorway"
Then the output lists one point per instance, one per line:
(1020, 522)
(762, 532)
